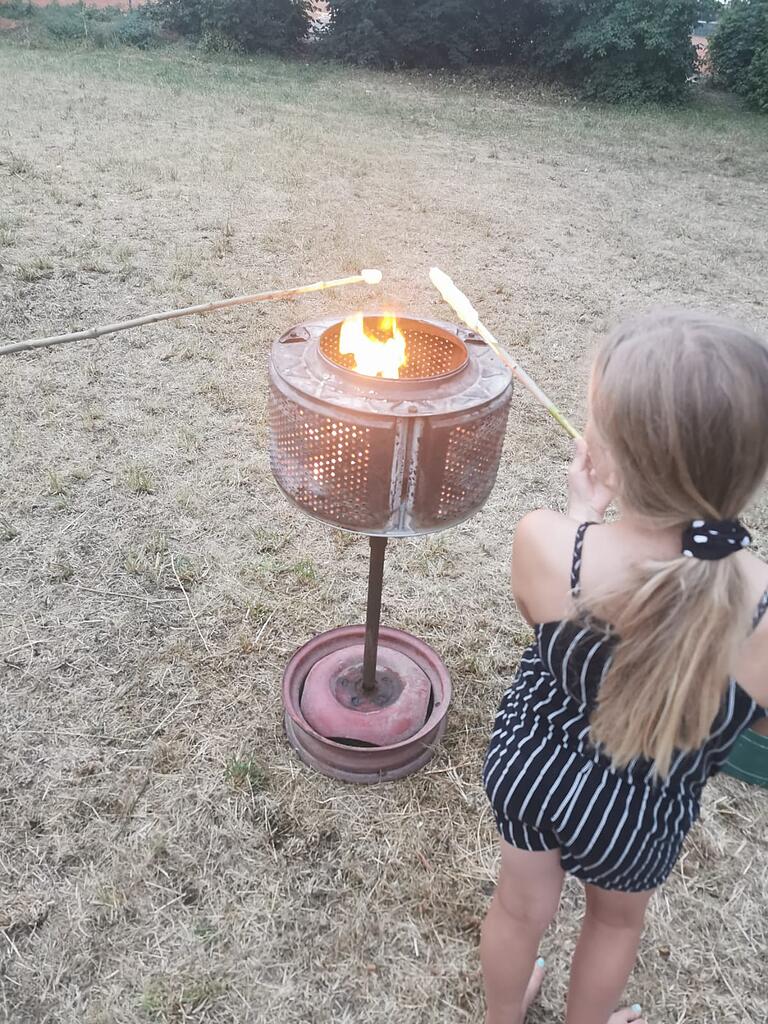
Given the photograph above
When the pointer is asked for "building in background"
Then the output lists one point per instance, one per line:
(702, 33)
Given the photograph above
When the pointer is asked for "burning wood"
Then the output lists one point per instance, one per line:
(375, 357)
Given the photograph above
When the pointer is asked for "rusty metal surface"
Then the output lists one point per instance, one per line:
(296, 360)
(357, 763)
(378, 550)
(389, 458)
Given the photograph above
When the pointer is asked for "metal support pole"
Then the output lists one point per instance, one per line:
(373, 616)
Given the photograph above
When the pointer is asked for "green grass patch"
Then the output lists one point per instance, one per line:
(246, 773)
(139, 479)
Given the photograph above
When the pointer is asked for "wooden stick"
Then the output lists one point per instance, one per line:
(464, 309)
(370, 277)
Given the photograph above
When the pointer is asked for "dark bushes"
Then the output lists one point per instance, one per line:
(622, 50)
(276, 26)
(418, 33)
(77, 23)
(136, 29)
(739, 51)
(613, 49)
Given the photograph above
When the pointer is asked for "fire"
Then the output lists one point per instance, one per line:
(374, 358)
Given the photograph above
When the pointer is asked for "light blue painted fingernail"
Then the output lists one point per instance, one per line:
(636, 1008)
(541, 962)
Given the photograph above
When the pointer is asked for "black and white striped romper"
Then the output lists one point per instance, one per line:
(550, 789)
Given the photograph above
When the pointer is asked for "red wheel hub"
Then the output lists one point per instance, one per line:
(336, 703)
(355, 760)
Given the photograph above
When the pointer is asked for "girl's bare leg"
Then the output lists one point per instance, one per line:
(605, 955)
(526, 900)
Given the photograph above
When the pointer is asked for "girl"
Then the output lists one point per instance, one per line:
(627, 701)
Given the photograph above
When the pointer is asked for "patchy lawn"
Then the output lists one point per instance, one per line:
(165, 858)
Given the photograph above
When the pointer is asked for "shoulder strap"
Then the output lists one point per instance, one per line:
(578, 547)
(762, 608)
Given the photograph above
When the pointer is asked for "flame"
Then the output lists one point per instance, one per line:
(374, 358)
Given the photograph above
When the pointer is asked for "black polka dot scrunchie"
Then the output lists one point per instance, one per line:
(713, 539)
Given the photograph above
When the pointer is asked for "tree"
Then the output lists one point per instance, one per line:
(709, 10)
(614, 49)
(420, 33)
(739, 51)
(622, 50)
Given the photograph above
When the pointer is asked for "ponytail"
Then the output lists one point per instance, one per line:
(680, 400)
(679, 625)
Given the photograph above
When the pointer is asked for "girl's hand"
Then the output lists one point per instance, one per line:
(588, 499)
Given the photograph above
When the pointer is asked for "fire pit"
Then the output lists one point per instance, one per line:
(390, 428)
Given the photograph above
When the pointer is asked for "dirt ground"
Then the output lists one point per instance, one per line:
(164, 858)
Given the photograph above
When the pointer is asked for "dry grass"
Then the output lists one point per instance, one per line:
(165, 859)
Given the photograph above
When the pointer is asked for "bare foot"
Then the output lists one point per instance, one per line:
(630, 1015)
(537, 977)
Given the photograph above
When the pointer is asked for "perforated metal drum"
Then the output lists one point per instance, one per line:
(390, 458)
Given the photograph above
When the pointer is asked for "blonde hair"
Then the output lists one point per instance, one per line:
(681, 401)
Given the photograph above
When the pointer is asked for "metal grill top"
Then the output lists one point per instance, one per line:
(298, 361)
